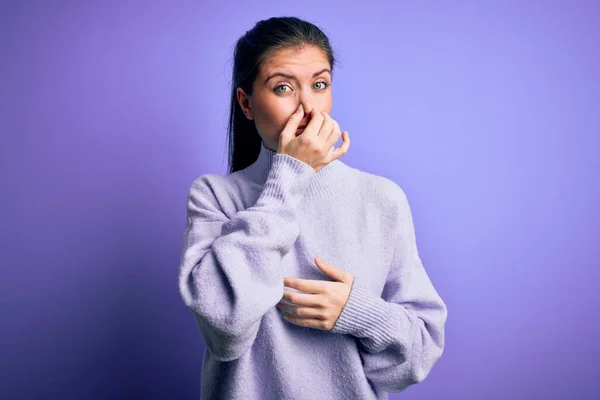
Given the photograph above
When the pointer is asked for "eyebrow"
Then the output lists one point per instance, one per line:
(292, 77)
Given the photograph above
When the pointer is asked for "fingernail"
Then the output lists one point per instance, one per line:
(300, 108)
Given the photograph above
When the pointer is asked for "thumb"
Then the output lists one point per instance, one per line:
(331, 270)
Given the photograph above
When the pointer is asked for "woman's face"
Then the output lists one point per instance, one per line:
(287, 78)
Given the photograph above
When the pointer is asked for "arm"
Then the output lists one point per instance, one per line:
(401, 333)
(230, 269)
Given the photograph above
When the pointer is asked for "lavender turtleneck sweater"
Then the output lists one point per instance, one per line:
(248, 230)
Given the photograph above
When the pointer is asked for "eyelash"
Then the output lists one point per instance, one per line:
(327, 84)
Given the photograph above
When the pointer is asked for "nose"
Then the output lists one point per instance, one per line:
(308, 108)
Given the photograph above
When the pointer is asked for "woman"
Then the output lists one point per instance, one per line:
(302, 272)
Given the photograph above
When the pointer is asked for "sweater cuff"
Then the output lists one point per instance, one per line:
(366, 315)
(286, 181)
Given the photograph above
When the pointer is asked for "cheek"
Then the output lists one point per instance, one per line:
(322, 103)
(274, 114)
(326, 103)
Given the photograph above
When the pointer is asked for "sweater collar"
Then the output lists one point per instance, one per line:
(329, 180)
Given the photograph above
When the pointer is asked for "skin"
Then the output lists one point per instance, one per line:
(322, 302)
(272, 105)
(275, 98)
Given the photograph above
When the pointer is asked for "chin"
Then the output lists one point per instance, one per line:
(271, 143)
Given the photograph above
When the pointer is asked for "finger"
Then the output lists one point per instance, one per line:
(313, 127)
(303, 299)
(327, 127)
(301, 312)
(335, 135)
(308, 322)
(305, 285)
(343, 149)
(289, 131)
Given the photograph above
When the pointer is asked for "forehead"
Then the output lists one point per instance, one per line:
(297, 61)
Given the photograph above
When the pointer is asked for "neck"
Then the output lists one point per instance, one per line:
(327, 181)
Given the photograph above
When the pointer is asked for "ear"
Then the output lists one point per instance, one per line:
(244, 102)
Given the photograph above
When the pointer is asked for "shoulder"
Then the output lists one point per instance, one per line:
(382, 190)
(389, 201)
(205, 187)
(210, 191)
(224, 193)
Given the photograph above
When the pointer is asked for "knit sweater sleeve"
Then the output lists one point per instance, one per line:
(400, 334)
(230, 271)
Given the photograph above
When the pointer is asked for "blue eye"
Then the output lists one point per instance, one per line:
(280, 86)
(324, 83)
(323, 87)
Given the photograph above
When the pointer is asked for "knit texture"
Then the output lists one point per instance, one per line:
(248, 230)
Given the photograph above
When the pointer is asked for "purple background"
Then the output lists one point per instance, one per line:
(486, 114)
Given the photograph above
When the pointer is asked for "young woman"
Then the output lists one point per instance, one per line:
(302, 272)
